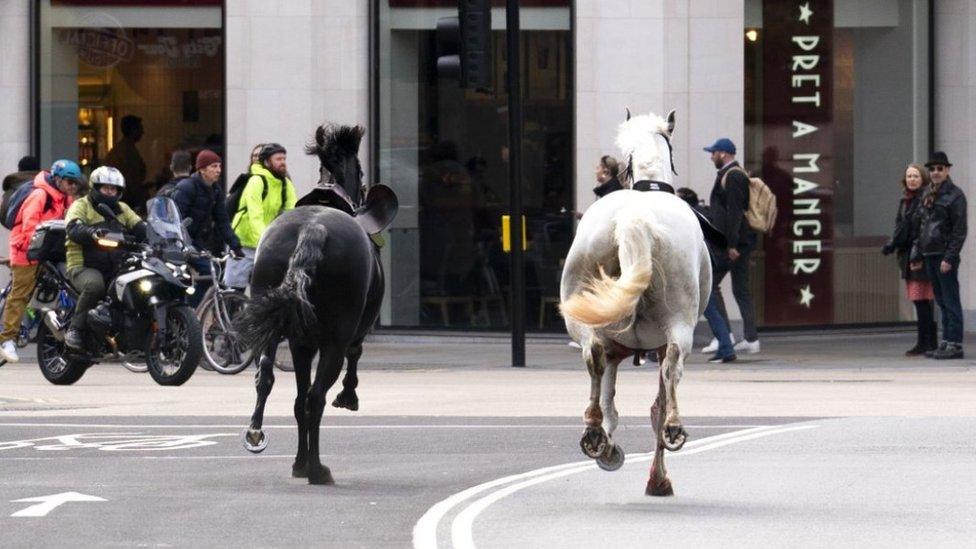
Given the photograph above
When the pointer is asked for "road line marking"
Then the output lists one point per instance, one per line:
(462, 534)
(425, 530)
(376, 426)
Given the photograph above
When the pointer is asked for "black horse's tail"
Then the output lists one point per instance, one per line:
(286, 310)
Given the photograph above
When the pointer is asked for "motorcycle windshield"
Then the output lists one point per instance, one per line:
(164, 222)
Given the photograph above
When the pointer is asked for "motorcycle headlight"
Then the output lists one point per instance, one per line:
(145, 285)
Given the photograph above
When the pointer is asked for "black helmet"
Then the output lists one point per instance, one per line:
(269, 150)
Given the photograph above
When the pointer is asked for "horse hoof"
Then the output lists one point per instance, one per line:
(346, 399)
(662, 488)
(675, 437)
(594, 442)
(299, 470)
(612, 459)
(320, 475)
(255, 440)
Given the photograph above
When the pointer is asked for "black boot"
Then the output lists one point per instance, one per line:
(931, 337)
(921, 341)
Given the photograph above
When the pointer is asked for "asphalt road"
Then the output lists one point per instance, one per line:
(189, 482)
(829, 441)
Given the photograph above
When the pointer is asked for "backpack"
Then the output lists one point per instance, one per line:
(168, 190)
(233, 202)
(762, 211)
(12, 201)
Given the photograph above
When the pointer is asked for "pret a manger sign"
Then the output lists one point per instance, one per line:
(798, 134)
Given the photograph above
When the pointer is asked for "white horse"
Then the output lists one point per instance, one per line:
(637, 277)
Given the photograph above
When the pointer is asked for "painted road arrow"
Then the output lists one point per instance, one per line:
(49, 503)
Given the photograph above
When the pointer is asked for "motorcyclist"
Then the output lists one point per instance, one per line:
(91, 265)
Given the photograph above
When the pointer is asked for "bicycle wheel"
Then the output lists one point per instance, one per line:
(222, 347)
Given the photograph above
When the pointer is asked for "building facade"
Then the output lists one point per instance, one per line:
(827, 100)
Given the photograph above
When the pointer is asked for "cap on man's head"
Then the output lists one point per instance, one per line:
(723, 144)
(205, 158)
(938, 158)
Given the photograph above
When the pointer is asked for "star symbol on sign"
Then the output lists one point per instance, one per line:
(805, 13)
(806, 296)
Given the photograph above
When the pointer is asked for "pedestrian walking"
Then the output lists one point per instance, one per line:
(918, 287)
(125, 157)
(721, 331)
(942, 232)
(51, 196)
(728, 204)
(27, 169)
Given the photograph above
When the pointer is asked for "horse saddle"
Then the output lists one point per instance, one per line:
(375, 213)
(713, 236)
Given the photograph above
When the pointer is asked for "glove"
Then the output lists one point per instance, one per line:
(98, 233)
(887, 249)
(237, 252)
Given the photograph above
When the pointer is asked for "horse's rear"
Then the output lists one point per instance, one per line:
(317, 282)
(637, 277)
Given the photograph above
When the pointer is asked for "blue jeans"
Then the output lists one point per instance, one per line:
(946, 287)
(720, 328)
(202, 266)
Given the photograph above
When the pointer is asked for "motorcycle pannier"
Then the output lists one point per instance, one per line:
(47, 243)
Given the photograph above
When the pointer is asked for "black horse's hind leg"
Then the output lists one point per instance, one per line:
(326, 374)
(348, 398)
(302, 358)
(254, 439)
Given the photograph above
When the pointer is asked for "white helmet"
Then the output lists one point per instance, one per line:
(107, 175)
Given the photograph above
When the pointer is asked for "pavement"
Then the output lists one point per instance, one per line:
(821, 439)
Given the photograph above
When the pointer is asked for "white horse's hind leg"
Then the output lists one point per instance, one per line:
(595, 440)
(658, 483)
(613, 456)
(672, 367)
(608, 391)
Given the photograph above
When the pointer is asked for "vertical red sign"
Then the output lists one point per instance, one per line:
(798, 159)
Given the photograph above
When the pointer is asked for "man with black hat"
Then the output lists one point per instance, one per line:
(940, 239)
(728, 204)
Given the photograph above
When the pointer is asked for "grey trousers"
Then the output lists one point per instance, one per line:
(91, 287)
(740, 290)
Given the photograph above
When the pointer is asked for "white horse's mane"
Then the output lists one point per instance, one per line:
(635, 138)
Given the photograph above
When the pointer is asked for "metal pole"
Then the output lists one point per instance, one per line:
(515, 183)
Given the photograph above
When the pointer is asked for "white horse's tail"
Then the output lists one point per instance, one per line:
(606, 300)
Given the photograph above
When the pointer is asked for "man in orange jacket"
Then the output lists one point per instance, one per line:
(52, 194)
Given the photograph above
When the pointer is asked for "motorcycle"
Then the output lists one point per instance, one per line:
(144, 314)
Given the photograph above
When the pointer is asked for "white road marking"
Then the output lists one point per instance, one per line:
(49, 503)
(425, 531)
(375, 426)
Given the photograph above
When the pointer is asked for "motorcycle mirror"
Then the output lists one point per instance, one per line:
(106, 212)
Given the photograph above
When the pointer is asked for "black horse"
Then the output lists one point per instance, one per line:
(318, 283)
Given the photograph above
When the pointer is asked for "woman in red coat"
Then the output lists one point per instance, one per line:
(52, 194)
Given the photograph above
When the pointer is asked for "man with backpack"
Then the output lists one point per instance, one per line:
(45, 198)
(255, 204)
(729, 203)
(180, 165)
(201, 200)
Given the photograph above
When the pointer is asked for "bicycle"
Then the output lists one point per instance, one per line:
(223, 351)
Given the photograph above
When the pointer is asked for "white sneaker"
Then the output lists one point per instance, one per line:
(712, 346)
(9, 351)
(748, 347)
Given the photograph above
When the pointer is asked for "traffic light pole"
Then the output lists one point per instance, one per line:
(515, 183)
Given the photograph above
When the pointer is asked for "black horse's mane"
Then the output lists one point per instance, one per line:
(334, 142)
